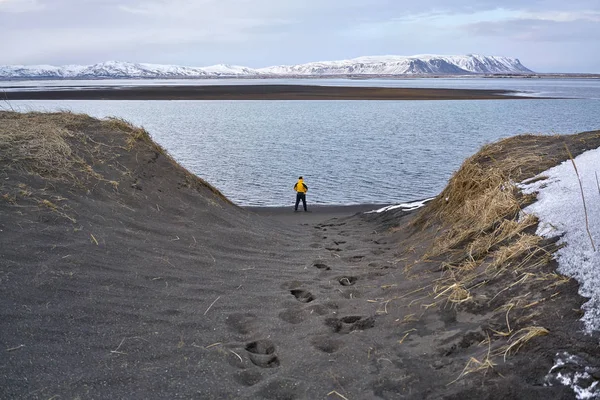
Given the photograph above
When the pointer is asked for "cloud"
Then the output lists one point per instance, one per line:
(266, 32)
(562, 16)
(538, 30)
(20, 6)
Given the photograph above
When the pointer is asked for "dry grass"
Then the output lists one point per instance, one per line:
(134, 133)
(137, 135)
(475, 204)
(474, 365)
(525, 245)
(45, 143)
(36, 144)
(455, 293)
(479, 215)
(55, 146)
(485, 246)
(507, 229)
(520, 338)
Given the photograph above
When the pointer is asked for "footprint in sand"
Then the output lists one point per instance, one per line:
(355, 258)
(279, 389)
(262, 354)
(352, 294)
(338, 224)
(302, 296)
(347, 280)
(293, 316)
(242, 323)
(321, 266)
(319, 309)
(326, 344)
(248, 378)
(350, 323)
(291, 285)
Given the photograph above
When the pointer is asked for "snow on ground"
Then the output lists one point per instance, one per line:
(570, 370)
(404, 206)
(560, 209)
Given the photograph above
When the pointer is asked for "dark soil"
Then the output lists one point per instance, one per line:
(160, 288)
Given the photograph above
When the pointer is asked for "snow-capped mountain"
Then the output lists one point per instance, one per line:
(117, 70)
(378, 65)
(400, 65)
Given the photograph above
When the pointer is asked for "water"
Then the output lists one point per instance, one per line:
(349, 152)
(541, 87)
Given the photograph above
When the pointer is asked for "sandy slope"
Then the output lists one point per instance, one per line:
(157, 287)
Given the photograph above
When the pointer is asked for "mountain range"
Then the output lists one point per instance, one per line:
(361, 66)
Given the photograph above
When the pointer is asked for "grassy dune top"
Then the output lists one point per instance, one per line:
(489, 256)
(77, 150)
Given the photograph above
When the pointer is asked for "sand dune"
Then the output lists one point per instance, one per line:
(124, 276)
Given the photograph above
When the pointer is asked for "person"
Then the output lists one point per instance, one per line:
(301, 189)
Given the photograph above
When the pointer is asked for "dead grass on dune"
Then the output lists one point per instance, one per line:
(520, 338)
(56, 147)
(479, 213)
(134, 133)
(137, 134)
(484, 242)
(35, 144)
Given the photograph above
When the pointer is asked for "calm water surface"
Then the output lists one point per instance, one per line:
(540, 87)
(349, 152)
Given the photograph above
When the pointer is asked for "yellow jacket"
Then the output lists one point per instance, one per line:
(300, 186)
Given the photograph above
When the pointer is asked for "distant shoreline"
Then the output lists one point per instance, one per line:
(263, 92)
(258, 78)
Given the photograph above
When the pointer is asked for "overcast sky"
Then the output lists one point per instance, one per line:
(547, 36)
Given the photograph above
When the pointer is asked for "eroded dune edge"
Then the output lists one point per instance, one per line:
(125, 276)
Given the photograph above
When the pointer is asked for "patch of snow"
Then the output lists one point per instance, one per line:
(404, 206)
(570, 370)
(560, 210)
(223, 69)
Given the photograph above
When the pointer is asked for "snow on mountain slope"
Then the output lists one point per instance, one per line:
(392, 65)
(376, 65)
(225, 69)
(116, 69)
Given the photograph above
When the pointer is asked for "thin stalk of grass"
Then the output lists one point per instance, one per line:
(522, 336)
(7, 101)
(587, 222)
(474, 365)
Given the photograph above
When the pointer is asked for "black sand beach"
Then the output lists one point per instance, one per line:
(259, 92)
(123, 276)
(316, 214)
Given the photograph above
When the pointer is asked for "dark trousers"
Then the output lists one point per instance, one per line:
(300, 196)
